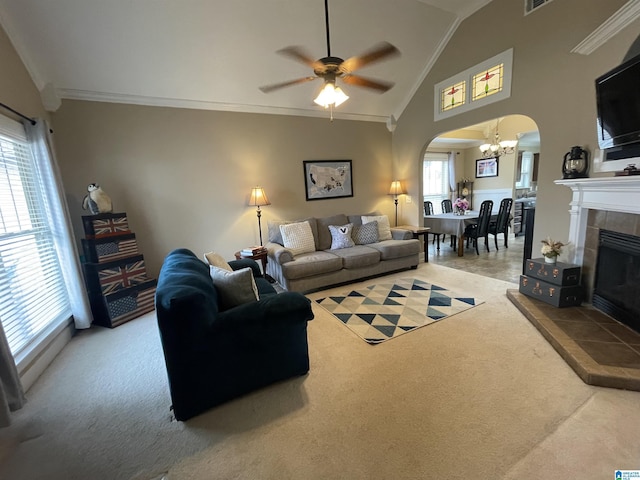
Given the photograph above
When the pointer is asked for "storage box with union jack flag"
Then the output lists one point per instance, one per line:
(105, 225)
(115, 272)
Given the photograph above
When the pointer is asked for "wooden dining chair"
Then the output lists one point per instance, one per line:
(428, 210)
(480, 229)
(447, 207)
(501, 225)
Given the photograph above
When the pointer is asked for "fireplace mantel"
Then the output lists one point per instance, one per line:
(616, 194)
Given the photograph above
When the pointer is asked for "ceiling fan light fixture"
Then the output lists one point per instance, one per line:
(331, 95)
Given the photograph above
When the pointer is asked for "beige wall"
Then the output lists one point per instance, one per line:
(552, 86)
(17, 90)
(184, 176)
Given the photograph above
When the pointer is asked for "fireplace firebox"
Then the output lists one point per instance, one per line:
(617, 277)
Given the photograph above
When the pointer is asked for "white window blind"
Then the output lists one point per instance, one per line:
(435, 178)
(32, 292)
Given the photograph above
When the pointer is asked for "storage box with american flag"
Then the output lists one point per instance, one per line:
(108, 249)
(124, 305)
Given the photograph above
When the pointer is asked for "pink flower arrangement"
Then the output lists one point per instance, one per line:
(461, 204)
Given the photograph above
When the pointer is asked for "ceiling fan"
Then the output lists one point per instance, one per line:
(330, 68)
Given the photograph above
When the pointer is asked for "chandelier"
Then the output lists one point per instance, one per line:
(498, 147)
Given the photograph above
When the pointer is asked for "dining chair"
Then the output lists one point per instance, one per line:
(447, 207)
(428, 210)
(480, 229)
(501, 225)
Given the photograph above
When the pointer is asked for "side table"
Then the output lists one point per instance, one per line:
(262, 257)
(417, 232)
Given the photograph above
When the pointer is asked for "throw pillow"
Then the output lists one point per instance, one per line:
(384, 230)
(341, 236)
(298, 237)
(216, 260)
(365, 234)
(235, 287)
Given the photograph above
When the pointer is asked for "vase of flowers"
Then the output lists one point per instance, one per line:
(551, 249)
(461, 205)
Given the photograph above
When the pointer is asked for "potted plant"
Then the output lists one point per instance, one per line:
(551, 249)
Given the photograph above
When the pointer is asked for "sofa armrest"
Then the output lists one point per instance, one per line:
(244, 263)
(279, 254)
(401, 234)
(280, 309)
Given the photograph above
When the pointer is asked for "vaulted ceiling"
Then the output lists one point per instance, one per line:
(215, 54)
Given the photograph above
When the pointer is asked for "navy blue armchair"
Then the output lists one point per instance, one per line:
(213, 356)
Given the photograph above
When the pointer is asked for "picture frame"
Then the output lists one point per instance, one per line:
(487, 167)
(325, 179)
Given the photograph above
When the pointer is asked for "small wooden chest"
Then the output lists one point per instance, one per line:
(564, 274)
(558, 296)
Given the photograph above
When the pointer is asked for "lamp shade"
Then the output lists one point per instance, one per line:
(397, 188)
(258, 198)
(331, 95)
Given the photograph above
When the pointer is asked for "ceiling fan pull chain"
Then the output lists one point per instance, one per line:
(326, 22)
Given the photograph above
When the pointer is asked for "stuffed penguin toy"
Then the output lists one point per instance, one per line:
(97, 201)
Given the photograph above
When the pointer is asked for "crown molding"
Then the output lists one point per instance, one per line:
(616, 22)
(93, 96)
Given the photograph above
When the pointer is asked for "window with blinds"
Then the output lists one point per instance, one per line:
(435, 178)
(32, 292)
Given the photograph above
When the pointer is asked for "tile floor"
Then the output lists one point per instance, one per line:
(601, 350)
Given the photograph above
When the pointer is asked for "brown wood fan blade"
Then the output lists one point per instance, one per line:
(367, 83)
(276, 86)
(377, 53)
(299, 55)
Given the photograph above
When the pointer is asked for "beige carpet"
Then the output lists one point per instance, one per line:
(482, 397)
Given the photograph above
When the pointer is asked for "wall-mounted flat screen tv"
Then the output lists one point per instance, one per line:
(618, 103)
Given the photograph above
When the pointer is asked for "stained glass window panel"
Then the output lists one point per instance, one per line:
(488, 82)
(453, 96)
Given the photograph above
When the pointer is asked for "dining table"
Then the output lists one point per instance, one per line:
(452, 224)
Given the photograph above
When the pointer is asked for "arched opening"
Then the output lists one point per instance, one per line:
(475, 176)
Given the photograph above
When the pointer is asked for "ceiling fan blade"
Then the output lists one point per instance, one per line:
(276, 86)
(359, 81)
(299, 55)
(377, 53)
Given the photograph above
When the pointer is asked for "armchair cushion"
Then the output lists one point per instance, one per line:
(235, 287)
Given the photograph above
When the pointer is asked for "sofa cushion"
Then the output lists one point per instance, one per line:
(357, 219)
(275, 236)
(217, 260)
(384, 230)
(235, 287)
(341, 236)
(324, 235)
(310, 264)
(365, 234)
(358, 256)
(298, 237)
(390, 249)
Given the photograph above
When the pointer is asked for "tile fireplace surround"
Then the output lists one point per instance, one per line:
(599, 349)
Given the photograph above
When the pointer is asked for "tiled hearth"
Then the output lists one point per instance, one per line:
(600, 350)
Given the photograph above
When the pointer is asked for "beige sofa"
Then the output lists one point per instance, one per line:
(324, 267)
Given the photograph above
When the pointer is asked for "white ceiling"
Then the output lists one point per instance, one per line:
(214, 54)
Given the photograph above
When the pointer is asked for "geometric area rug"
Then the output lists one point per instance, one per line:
(387, 310)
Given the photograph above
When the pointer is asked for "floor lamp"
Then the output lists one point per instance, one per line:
(258, 199)
(395, 190)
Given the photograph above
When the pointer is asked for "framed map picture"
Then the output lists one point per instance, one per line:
(487, 167)
(327, 179)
